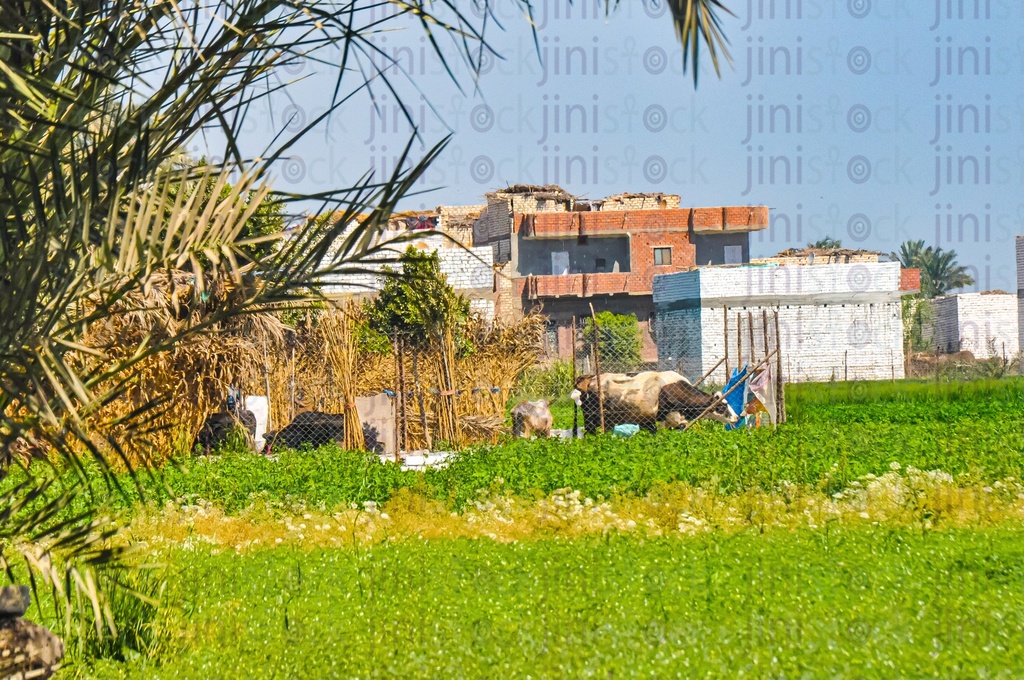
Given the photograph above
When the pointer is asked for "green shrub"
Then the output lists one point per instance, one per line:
(620, 341)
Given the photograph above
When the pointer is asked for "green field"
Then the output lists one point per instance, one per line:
(850, 603)
(876, 534)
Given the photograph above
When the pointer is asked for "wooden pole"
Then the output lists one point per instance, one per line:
(419, 397)
(575, 406)
(764, 330)
(780, 386)
(293, 383)
(725, 336)
(266, 380)
(705, 376)
(597, 367)
(750, 331)
(446, 359)
(398, 397)
(739, 341)
(401, 381)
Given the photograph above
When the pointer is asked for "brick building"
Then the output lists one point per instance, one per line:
(555, 252)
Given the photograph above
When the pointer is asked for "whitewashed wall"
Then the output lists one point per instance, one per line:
(985, 324)
(840, 322)
(466, 271)
(1020, 294)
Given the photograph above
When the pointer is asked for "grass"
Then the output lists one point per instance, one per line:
(868, 602)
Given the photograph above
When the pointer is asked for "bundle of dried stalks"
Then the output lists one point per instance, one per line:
(191, 380)
(337, 327)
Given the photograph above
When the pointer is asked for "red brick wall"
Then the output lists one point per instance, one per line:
(910, 279)
(581, 223)
(641, 252)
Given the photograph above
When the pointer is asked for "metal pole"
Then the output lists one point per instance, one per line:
(597, 367)
(293, 383)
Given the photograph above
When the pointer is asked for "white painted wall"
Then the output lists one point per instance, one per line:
(835, 321)
(1020, 294)
(466, 270)
(986, 325)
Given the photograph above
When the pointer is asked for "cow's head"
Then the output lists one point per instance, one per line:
(722, 412)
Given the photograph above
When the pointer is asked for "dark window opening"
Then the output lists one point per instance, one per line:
(581, 240)
(600, 263)
(662, 256)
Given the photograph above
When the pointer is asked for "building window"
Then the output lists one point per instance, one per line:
(600, 263)
(662, 256)
(581, 240)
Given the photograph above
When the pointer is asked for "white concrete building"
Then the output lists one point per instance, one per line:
(984, 324)
(1020, 294)
(836, 321)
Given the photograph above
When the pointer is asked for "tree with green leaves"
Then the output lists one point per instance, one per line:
(417, 302)
(940, 271)
(97, 99)
(620, 341)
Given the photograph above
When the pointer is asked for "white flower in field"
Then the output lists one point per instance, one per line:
(894, 466)
(341, 528)
(278, 540)
(307, 516)
(384, 515)
(316, 527)
(302, 526)
(865, 515)
(327, 527)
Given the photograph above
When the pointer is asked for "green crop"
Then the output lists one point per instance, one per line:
(870, 603)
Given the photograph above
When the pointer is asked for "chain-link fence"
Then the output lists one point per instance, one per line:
(605, 372)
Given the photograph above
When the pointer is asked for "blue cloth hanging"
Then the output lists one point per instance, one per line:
(738, 397)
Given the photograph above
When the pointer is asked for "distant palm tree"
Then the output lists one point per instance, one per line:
(909, 253)
(827, 243)
(940, 272)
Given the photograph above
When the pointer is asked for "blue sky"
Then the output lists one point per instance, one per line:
(873, 122)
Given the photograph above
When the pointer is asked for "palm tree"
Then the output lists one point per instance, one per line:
(96, 97)
(827, 243)
(940, 272)
(939, 268)
(909, 253)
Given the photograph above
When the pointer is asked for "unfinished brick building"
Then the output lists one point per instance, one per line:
(561, 254)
